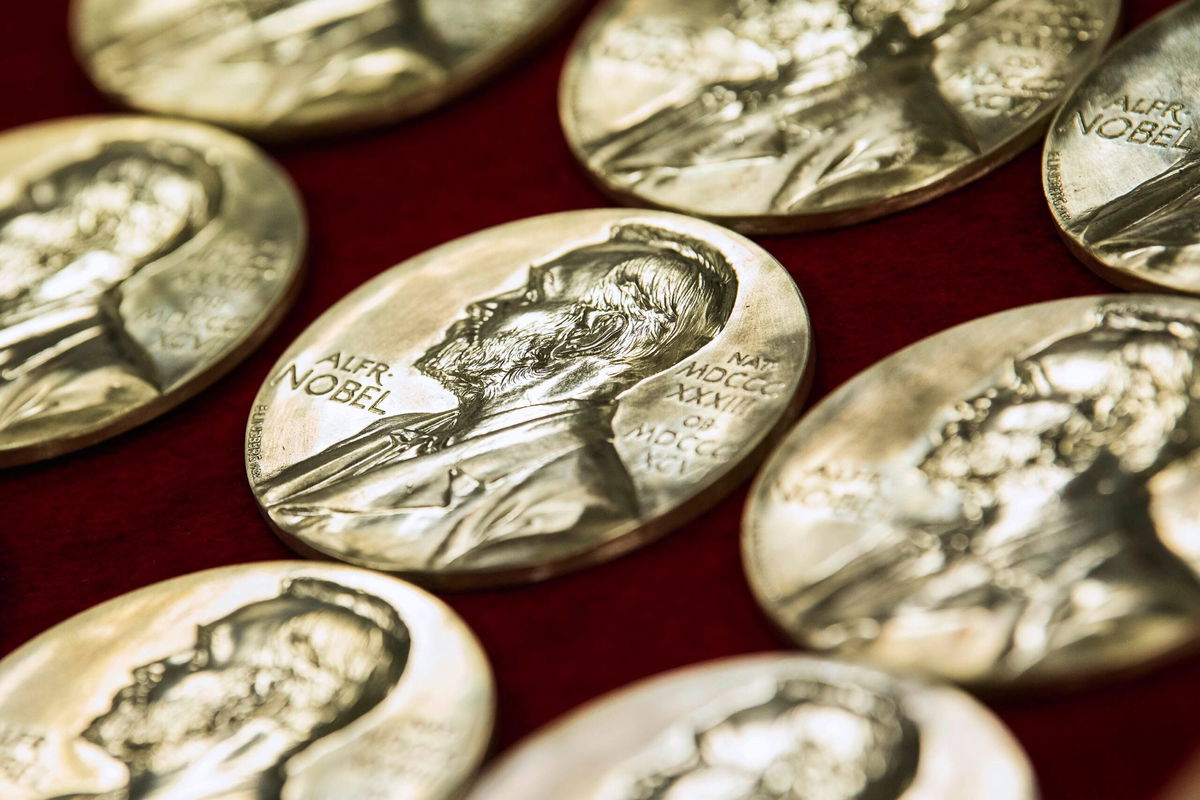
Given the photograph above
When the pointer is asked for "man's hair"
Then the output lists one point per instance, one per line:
(328, 663)
(336, 659)
(1130, 411)
(664, 297)
(883, 771)
(160, 173)
(139, 163)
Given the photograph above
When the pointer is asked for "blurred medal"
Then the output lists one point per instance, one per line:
(140, 259)
(288, 68)
(1122, 162)
(1009, 503)
(272, 680)
(1185, 784)
(783, 115)
(769, 727)
(530, 399)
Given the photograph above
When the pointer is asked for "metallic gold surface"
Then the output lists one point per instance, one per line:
(1009, 503)
(272, 680)
(1120, 165)
(1185, 785)
(530, 399)
(769, 727)
(140, 259)
(288, 68)
(779, 115)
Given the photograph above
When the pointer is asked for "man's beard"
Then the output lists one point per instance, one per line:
(140, 729)
(476, 369)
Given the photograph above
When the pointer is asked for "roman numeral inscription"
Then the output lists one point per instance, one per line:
(733, 387)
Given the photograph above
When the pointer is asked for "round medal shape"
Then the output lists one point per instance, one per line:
(530, 399)
(1120, 162)
(282, 679)
(289, 68)
(140, 259)
(1009, 504)
(769, 727)
(784, 115)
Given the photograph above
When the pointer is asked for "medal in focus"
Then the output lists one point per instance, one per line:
(530, 399)
(1010, 503)
(281, 679)
(1120, 166)
(769, 727)
(288, 68)
(140, 259)
(783, 115)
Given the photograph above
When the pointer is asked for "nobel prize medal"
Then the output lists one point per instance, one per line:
(784, 115)
(278, 679)
(769, 727)
(288, 68)
(529, 399)
(1009, 504)
(1120, 161)
(140, 259)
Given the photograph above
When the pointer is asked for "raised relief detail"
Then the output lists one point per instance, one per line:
(736, 386)
(67, 244)
(528, 453)
(807, 739)
(1025, 533)
(843, 95)
(1139, 120)
(1152, 225)
(259, 686)
(254, 441)
(284, 57)
(356, 381)
(19, 754)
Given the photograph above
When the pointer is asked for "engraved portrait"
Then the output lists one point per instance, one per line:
(822, 101)
(525, 462)
(809, 740)
(258, 686)
(1024, 538)
(1122, 157)
(258, 61)
(69, 240)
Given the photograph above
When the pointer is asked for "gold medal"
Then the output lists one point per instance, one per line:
(1010, 503)
(280, 679)
(769, 727)
(530, 399)
(783, 115)
(1118, 162)
(140, 259)
(288, 68)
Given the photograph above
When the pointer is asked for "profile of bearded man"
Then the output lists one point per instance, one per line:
(808, 741)
(220, 721)
(527, 457)
(1037, 545)
(831, 103)
(250, 63)
(68, 243)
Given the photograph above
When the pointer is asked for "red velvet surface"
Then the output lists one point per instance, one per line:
(171, 497)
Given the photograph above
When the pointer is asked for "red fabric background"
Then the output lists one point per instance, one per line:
(171, 497)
